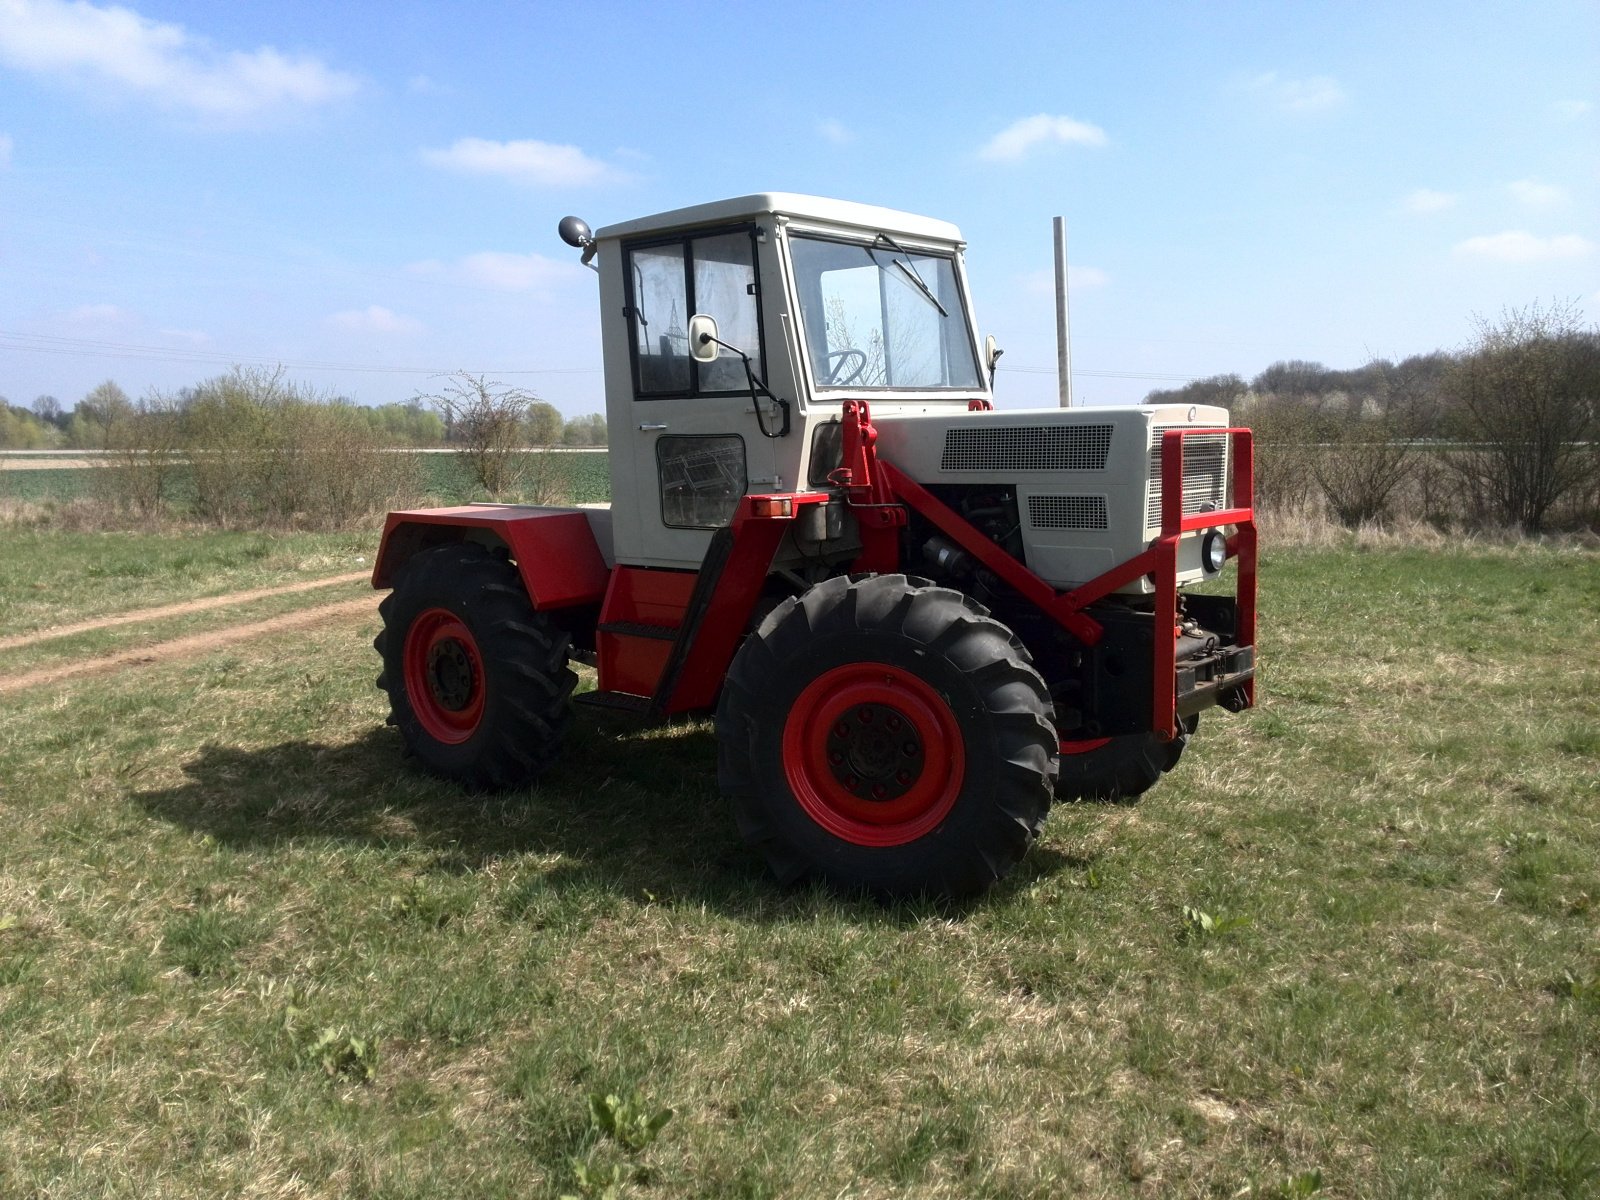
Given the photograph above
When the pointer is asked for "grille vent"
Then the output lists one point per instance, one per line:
(1027, 448)
(1205, 473)
(1067, 512)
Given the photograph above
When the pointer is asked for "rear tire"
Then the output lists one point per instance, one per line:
(887, 735)
(1123, 769)
(477, 680)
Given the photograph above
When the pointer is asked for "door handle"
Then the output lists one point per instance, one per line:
(651, 428)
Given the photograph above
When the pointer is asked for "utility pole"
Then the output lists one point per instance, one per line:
(1063, 330)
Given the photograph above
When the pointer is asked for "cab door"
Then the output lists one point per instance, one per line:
(698, 444)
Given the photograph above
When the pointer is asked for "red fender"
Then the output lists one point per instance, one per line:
(554, 548)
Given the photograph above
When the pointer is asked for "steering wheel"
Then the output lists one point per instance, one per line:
(852, 361)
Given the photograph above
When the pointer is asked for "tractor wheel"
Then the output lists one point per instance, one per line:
(477, 680)
(1121, 769)
(888, 735)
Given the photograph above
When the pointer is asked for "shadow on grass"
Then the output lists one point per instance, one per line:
(633, 811)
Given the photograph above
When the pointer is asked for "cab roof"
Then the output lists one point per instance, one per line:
(788, 204)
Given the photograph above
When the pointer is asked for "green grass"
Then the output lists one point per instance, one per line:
(220, 885)
(50, 578)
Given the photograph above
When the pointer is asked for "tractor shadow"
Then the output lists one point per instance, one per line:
(629, 810)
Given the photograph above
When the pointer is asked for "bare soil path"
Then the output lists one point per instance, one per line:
(200, 643)
(47, 464)
(174, 610)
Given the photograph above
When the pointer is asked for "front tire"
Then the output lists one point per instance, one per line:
(1121, 769)
(477, 680)
(887, 735)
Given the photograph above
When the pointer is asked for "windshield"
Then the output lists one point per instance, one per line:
(879, 316)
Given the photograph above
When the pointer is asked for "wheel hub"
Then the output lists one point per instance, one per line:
(874, 752)
(451, 678)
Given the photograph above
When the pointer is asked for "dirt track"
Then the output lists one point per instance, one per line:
(174, 610)
(47, 464)
(199, 643)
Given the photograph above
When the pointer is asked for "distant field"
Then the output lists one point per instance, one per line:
(583, 478)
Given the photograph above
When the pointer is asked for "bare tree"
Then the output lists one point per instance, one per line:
(47, 409)
(98, 412)
(1527, 396)
(488, 423)
(1368, 442)
(146, 446)
(1225, 391)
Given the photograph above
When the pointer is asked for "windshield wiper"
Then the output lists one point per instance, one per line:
(909, 270)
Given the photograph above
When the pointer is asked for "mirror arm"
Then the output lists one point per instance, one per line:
(758, 388)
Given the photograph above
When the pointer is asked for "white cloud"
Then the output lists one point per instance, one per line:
(1520, 246)
(1571, 110)
(1015, 141)
(538, 164)
(6, 146)
(836, 132)
(100, 315)
(1426, 200)
(1316, 93)
(194, 337)
(503, 271)
(375, 319)
(159, 60)
(1539, 195)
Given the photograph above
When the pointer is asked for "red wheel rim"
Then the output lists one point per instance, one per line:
(873, 754)
(1084, 746)
(444, 676)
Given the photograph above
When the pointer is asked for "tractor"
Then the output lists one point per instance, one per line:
(918, 619)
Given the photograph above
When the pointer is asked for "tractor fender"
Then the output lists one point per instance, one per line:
(556, 550)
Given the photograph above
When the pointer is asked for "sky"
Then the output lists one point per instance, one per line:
(368, 193)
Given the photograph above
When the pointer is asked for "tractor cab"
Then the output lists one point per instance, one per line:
(732, 334)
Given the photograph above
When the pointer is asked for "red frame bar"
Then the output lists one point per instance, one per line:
(1164, 706)
(1160, 560)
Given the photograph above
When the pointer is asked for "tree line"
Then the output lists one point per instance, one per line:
(254, 449)
(1503, 433)
(417, 423)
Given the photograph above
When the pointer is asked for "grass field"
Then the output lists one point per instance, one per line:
(1350, 947)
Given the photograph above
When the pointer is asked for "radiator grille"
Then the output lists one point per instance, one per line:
(1067, 512)
(1205, 473)
(1027, 448)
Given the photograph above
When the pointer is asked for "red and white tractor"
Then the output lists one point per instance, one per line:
(917, 618)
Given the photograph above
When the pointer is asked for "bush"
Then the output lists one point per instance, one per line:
(258, 451)
(1527, 398)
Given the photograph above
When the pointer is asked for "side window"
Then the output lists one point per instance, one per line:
(702, 479)
(660, 298)
(724, 288)
(668, 283)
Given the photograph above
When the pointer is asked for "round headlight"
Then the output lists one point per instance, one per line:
(1213, 550)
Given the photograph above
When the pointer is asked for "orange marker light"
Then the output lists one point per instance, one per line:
(772, 506)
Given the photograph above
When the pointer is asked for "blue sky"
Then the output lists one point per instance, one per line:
(368, 193)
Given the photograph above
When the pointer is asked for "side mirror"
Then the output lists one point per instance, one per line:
(703, 345)
(991, 353)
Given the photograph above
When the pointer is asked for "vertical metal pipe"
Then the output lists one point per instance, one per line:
(1063, 328)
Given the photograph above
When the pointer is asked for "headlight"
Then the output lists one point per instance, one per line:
(1213, 550)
